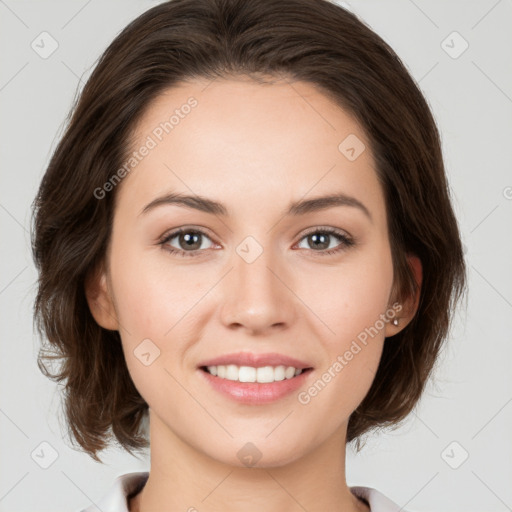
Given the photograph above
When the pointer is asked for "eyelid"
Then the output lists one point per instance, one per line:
(171, 233)
(328, 229)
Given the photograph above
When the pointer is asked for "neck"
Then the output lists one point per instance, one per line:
(183, 478)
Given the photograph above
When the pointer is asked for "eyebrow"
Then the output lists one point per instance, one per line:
(297, 208)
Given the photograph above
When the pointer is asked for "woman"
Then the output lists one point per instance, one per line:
(245, 236)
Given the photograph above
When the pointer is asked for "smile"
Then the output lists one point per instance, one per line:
(255, 386)
(262, 375)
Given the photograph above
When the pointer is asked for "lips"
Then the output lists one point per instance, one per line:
(256, 360)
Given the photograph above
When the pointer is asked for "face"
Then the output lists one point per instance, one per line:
(252, 275)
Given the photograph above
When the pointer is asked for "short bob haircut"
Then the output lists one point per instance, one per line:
(315, 41)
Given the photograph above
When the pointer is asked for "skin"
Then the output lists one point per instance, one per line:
(255, 148)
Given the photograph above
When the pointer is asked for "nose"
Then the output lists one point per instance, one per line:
(258, 295)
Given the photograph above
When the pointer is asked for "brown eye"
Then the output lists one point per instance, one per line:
(320, 241)
(189, 242)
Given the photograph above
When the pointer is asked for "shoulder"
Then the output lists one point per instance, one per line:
(375, 499)
(116, 498)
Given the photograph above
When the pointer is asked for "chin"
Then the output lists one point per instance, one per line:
(260, 452)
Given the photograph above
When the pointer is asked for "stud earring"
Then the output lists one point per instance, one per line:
(395, 321)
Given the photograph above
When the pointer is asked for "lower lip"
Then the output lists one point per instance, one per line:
(255, 393)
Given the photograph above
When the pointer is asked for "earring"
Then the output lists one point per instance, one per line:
(395, 321)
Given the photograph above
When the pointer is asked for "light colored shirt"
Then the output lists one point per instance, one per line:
(128, 485)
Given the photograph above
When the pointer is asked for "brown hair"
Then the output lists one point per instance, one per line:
(314, 41)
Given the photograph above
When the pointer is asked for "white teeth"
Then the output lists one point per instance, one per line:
(269, 374)
(289, 372)
(250, 374)
(279, 372)
(243, 374)
(231, 372)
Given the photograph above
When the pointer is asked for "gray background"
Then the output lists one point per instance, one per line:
(470, 400)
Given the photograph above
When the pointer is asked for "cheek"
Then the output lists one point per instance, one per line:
(157, 304)
(151, 294)
(348, 299)
(351, 301)
(153, 306)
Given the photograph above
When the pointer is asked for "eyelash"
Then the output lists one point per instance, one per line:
(345, 240)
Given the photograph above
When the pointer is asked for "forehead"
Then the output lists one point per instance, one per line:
(240, 141)
(240, 113)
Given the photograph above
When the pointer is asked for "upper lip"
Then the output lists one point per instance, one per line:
(256, 360)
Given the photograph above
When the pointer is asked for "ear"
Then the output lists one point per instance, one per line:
(100, 300)
(409, 306)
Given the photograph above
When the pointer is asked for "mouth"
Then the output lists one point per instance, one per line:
(255, 385)
(252, 374)
(255, 379)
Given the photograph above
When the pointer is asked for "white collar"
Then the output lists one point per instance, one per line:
(116, 498)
